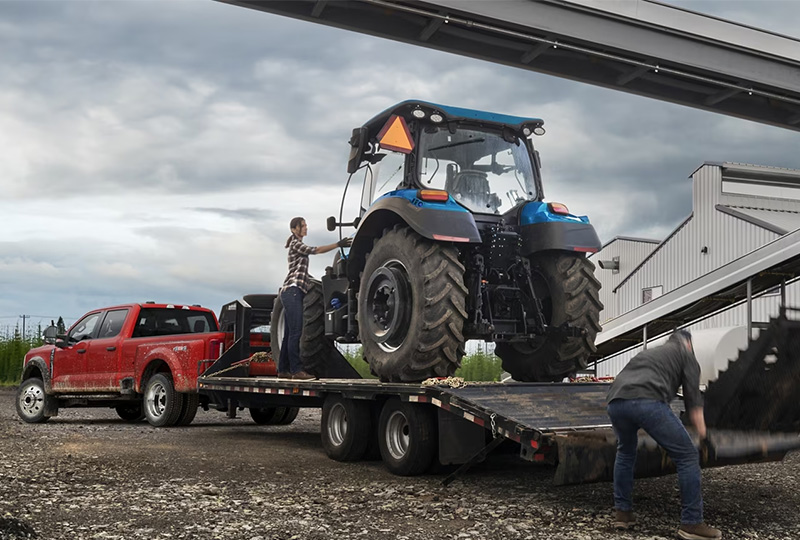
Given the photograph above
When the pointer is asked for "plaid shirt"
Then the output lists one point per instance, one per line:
(298, 264)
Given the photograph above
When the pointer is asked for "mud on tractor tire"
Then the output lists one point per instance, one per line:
(315, 348)
(411, 307)
(569, 292)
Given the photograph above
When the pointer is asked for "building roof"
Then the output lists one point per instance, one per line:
(629, 239)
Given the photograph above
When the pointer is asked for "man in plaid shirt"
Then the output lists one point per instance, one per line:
(293, 291)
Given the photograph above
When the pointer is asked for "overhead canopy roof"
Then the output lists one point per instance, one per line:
(641, 46)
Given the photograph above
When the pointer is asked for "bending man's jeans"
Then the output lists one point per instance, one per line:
(292, 300)
(658, 420)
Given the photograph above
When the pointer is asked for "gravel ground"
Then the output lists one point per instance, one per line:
(87, 474)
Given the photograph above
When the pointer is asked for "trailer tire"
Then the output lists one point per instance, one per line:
(570, 293)
(288, 417)
(32, 401)
(315, 348)
(191, 402)
(162, 403)
(411, 307)
(346, 426)
(408, 437)
(263, 416)
(131, 412)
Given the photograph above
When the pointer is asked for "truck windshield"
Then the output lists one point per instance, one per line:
(480, 169)
(166, 322)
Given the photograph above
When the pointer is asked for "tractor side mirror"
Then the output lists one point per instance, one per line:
(331, 223)
(358, 143)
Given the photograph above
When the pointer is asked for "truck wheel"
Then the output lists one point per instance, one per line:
(346, 426)
(570, 293)
(411, 307)
(315, 348)
(32, 401)
(263, 416)
(408, 437)
(162, 404)
(131, 412)
(191, 401)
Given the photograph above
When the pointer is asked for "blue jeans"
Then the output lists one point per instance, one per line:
(292, 300)
(658, 420)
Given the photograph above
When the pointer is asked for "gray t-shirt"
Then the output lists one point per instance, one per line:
(657, 374)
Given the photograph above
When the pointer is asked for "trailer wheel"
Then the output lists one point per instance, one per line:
(32, 401)
(411, 307)
(570, 293)
(131, 412)
(346, 426)
(263, 416)
(315, 348)
(408, 437)
(191, 401)
(162, 403)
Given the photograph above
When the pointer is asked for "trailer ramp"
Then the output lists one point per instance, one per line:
(567, 425)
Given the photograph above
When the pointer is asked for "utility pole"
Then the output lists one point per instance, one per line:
(23, 325)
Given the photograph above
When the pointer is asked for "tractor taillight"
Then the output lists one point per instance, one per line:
(433, 195)
(558, 208)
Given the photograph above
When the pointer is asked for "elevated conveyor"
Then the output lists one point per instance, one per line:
(639, 46)
(769, 266)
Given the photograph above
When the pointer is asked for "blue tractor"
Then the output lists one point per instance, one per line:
(454, 242)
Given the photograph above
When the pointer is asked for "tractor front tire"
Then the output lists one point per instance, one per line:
(411, 307)
(315, 348)
(569, 292)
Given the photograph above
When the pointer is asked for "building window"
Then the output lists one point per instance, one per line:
(651, 293)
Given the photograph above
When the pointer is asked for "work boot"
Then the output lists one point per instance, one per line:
(284, 375)
(701, 531)
(624, 519)
(303, 376)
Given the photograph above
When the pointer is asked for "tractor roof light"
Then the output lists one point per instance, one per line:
(437, 118)
(558, 208)
(433, 195)
(538, 130)
(418, 113)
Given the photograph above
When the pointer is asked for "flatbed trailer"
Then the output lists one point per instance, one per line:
(415, 426)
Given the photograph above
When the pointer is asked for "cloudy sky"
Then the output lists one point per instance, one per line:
(157, 150)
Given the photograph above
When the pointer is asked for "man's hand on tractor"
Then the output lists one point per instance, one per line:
(345, 242)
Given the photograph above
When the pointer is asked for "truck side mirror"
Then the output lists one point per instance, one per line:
(358, 142)
(50, 334)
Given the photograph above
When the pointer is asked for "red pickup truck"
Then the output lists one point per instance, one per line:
(141, 359)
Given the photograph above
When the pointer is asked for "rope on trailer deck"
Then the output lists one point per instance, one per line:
(452, 382)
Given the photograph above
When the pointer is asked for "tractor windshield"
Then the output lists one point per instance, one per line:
(480, 169)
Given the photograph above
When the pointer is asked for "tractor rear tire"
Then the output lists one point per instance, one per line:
(315, 348)
(411, 307)
(570, 293)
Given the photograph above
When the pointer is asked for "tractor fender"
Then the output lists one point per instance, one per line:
(439, 222)
(559, 235)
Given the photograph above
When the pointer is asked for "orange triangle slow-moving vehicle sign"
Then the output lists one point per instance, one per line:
(396, 136)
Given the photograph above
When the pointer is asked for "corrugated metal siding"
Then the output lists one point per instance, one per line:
(631, 254)
(680, 260)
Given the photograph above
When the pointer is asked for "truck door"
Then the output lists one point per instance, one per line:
(69, 363)
(102, 360)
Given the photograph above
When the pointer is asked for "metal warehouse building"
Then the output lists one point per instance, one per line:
(737, 208)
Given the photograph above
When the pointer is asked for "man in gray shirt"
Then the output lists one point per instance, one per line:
(639, 399)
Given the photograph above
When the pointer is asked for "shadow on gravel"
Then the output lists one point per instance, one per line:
(13, 529)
